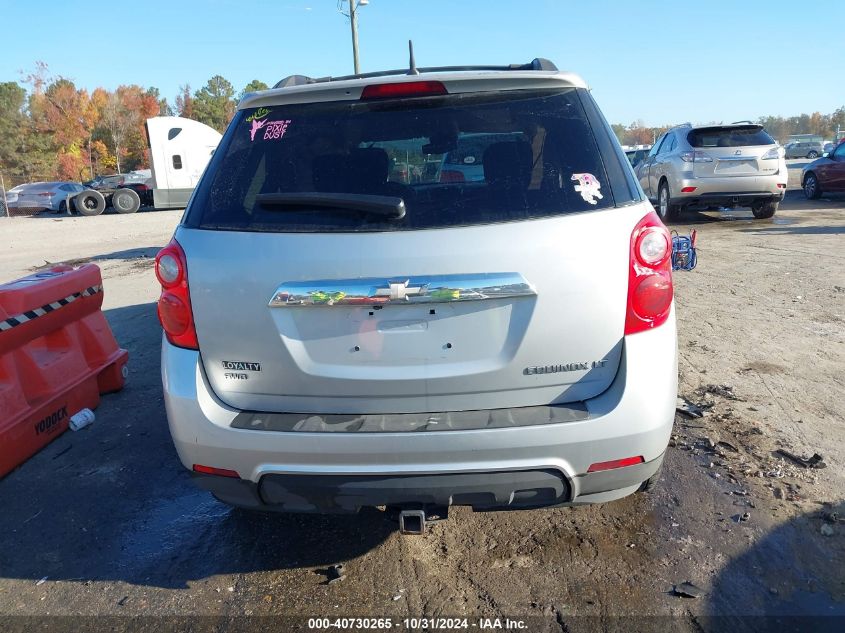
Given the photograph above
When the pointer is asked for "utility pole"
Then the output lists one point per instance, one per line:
(353, 21)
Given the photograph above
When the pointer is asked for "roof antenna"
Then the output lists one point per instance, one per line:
(412, 70)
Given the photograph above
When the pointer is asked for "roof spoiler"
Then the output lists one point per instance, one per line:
(538, 63)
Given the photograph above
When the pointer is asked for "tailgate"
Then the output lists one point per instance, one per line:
(492, 316)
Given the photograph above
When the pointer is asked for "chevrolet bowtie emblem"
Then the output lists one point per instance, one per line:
(398, 290)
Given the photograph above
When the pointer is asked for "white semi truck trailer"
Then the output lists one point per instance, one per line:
(179, 151)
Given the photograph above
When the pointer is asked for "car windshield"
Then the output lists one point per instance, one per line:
(453, 160)
(731, 136)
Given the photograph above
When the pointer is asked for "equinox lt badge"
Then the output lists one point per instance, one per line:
(556, 369)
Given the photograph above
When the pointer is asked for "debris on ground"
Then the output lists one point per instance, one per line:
(688, 590)
(725, 391)
(688, 408)
(41, 582)
(816, 461)
(81, 419)
(832, 517)
(334, 573)
(826, 529)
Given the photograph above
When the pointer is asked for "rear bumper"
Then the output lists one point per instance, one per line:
(487, 491)
(730, 199)
(731, 190)
(494, 468)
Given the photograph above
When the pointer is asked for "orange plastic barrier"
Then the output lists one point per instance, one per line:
(57, 355)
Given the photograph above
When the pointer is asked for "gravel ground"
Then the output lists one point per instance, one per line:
(111, 520)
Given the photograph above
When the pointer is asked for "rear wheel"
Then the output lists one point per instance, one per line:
(125, 201)
(763, 210)
(812, 190)
(665, 209)
(90, 202)
(813, 154)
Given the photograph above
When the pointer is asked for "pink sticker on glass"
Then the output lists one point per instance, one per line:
(256, 125)
(275, 130)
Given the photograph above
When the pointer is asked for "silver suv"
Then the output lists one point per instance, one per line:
(335, 339)
(804, 149)
(722, 165)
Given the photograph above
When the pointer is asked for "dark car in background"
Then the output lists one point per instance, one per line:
(136, 181)
(825, 175)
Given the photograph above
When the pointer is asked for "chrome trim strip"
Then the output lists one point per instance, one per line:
(401, 290)
(731, 158)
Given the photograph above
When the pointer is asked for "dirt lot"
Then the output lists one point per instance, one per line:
(110, 519)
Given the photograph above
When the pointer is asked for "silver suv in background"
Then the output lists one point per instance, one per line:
(804, 149)
(725, 165)
(335, 338)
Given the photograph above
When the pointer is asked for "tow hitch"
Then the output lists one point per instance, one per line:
(414, 520)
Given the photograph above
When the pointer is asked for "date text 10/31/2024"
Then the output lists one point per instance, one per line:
(414, 624)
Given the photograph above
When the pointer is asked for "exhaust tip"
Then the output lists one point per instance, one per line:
(412, 522)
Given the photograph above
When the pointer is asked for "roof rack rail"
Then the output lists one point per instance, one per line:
(538, 63)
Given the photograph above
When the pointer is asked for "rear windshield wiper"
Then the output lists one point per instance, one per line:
(389, 207)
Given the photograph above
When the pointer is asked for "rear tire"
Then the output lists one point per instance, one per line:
(665, 209)
(125, 201)
(763, 210)
(813, 154)
(812, 190)
(90, 203)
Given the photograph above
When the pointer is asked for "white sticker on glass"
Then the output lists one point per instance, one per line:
(588, 186)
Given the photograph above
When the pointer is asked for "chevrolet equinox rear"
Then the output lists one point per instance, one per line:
(346, 328)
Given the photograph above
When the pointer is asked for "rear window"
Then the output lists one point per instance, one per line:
(729, 136)
(454, 160)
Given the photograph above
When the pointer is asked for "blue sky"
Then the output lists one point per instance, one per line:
(663, 62)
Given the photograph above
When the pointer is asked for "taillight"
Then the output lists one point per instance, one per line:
(405, 89)
(688, 189)
(615, 463)
(452, 175)
(774, 153)
(649, 276)
(211, 470)
(47, 194)
(174, 304)
(696, 157)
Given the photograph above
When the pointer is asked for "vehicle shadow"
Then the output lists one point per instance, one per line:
(113, 502)
(791, 580)
(140, 253)
(795, 230)
(48, 214)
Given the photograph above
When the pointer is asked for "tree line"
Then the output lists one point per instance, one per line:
(51, 129)
(780, 128)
